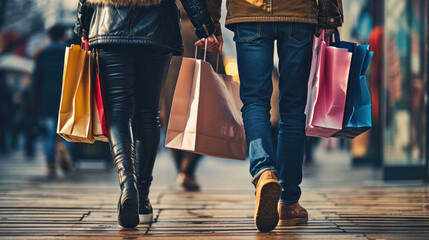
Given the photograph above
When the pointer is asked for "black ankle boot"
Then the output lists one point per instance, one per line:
(128, 205)
(145, 207)
(145, 159)
(128, 216)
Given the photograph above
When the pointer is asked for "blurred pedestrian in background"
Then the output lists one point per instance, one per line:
(26, 117)
(186, 162)
(47, 84)
(135, 41)
(15, 79)
(5, 102)
(256, 26)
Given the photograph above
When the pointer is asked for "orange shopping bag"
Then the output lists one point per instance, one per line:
(205, 115)
(75, 114)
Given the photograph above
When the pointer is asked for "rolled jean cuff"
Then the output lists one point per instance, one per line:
(256, 177)
(287, 202)
(290, 197)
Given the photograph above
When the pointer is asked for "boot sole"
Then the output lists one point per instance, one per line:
(293, 222)
(266, 214)
(129, 213)
(146, 218)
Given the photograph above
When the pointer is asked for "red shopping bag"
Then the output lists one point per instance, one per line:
(327, 88)
(99, 120)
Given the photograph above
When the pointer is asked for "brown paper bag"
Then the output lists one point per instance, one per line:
(75, 115)
(205, 115)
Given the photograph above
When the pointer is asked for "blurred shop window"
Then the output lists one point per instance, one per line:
(405, 110)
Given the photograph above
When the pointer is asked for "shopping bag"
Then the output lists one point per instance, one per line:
(205, 116)
(357, 115)
(99, 129)
(75, 113)
(327, 87)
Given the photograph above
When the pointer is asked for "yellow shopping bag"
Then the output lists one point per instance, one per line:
(75, 115)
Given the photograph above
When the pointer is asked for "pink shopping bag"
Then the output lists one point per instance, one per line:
(327, 88)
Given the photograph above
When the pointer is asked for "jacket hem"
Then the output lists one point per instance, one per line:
(107, 40)
(230, 21)
(126, 3)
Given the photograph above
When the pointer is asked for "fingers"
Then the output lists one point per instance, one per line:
(220, 40)
(328, 32)
(220, 48)
(214, 38)
(200, 43)
(318, 32)
(212, 43)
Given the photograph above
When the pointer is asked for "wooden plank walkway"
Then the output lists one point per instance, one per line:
(84, 208)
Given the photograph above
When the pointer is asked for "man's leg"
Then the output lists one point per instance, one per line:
(295, 41)
(255, 46)
(49, 145)
(63, 150)
(255, 65)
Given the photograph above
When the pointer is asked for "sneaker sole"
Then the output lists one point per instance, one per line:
(293, 222)
(266, 214)
(129, 213)
(146, 218)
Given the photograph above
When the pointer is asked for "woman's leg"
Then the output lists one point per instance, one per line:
(116, 69)
(151, 71)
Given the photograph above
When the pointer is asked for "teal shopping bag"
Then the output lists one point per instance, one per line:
(357, 114)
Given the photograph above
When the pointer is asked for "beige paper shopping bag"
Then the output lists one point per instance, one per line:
(75, 115)
(205, 115)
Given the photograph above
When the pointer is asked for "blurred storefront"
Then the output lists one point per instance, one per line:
(397, 31)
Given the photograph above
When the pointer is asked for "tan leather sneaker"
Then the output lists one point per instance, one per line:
(292, 214)
(268, 191)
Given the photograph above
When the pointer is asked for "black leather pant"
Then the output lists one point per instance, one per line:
(132, 78)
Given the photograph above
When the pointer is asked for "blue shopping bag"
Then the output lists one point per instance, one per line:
(357, 114)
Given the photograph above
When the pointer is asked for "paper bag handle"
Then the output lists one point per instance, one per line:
(337, 36)
(205, 54)
(205, 51)
(85, 44)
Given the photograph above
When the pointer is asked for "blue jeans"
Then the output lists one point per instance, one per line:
(51, 139)
(255, 50)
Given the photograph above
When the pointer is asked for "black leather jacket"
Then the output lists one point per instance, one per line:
(157, 25)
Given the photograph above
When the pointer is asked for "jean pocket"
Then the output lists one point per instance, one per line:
(300, 33)
(247, 32)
